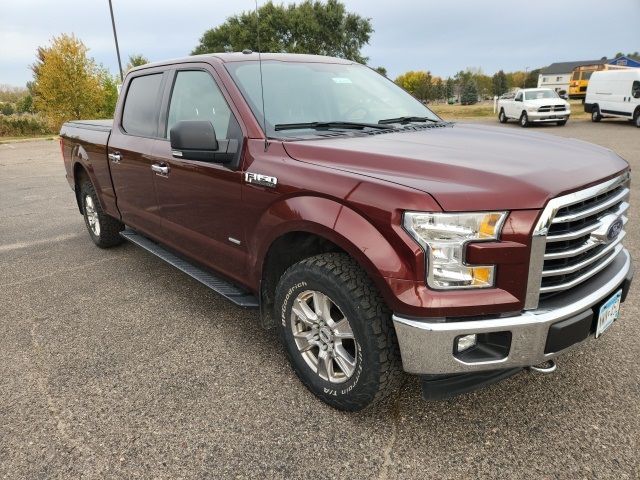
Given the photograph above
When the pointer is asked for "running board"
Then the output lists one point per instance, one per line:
(231, 292)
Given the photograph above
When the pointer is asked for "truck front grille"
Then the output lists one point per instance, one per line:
(552, 108)
(572, 241)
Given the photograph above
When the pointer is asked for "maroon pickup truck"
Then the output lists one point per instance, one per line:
(372, 234)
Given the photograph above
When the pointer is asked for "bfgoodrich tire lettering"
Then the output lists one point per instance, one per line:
(376, 372)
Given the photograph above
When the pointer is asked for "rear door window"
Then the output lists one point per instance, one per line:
(140, 114)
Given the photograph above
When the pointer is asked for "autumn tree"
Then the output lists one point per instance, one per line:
(67, 83)
(417, 83)
(312, 27)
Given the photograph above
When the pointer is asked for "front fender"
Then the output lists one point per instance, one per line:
(378, 255)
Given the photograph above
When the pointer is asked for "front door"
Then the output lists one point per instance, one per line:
(132, 141)
(200, 202)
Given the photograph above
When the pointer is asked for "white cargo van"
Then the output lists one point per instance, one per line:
(614, 93)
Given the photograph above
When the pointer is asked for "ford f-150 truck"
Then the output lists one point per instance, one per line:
(372, 234)
(534, 105)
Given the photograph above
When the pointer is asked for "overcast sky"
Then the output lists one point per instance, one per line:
(436, 35)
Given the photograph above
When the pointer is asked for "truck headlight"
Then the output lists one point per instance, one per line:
(444, 237)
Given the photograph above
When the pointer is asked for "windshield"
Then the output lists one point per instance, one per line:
(296, 92)
(537, 94)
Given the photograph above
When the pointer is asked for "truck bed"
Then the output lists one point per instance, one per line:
(87, 141)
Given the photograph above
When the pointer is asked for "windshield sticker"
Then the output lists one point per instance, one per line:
(341, 80)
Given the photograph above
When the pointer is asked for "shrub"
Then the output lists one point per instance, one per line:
(23, 125)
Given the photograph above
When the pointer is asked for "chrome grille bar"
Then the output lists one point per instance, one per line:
(571, 241)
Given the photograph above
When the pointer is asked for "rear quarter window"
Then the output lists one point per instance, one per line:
(140, 114)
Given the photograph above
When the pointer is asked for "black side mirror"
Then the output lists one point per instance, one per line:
(196, 140)
(636, 94)
(518, 99)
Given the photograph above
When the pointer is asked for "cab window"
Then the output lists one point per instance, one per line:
(140, 114)
(196, 96)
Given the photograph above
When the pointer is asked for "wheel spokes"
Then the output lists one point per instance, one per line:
(344, 360)
(304, 340)
(342, 330)
(302, 310)
(325, 365)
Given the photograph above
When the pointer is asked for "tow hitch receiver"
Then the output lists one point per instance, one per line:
(545, 367)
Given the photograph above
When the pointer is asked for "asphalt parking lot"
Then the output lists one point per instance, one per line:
(113, 364)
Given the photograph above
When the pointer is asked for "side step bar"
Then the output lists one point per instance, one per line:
(231, 292)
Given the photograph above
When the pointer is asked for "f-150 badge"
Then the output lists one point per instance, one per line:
(259, 179)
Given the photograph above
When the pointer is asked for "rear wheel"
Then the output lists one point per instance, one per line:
(502, 117)
(595, 114)
(103, 229)
(524, 120)
(337, 332)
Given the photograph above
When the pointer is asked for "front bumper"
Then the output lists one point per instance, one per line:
(549, 116)
(427, 345)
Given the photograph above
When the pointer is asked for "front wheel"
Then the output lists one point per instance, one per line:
(502, 118)
(524, 120)
(337, 332)
(561, 123)
(103, 229)
(636, 119)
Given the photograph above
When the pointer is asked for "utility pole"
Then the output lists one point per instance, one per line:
(115, 36)
(524, 82)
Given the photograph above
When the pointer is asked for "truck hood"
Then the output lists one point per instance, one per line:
(469, 166)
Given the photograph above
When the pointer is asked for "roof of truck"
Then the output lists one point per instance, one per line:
(250, 56)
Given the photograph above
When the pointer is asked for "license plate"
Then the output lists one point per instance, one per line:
(609, 311)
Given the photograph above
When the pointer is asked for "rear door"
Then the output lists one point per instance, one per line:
(133, 139)
(200, 202)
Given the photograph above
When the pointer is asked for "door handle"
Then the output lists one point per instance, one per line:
(115, 157)
(160, 169)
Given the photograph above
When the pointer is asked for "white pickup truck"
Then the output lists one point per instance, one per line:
(534, 105)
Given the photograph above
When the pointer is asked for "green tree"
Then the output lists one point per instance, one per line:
(66, 82)
(110, 86)
(6, 108)
(532, 79)
(449, 88)
(417, 83)
(499, 81)
(381, 70)
(469, 95)
(25, 104)
(136, 60)
(312, 27)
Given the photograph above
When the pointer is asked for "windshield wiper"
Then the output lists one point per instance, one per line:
(404, 120)
(326, 125)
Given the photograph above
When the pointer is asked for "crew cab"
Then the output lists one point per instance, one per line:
(534, 105)
(373, 235)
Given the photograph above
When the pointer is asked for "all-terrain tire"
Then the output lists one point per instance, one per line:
(103, 229)
(377, 373)
(524, 120)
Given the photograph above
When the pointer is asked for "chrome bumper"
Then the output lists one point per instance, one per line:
(427, 345)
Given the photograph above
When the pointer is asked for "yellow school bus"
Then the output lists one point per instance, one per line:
(581, 75)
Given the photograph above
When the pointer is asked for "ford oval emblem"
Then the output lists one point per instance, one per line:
(614, 230)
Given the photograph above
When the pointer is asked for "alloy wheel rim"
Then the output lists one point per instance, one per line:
(323, 336)
(92, 215)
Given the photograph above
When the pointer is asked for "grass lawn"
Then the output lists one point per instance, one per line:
(27, 138)
(485, 109)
